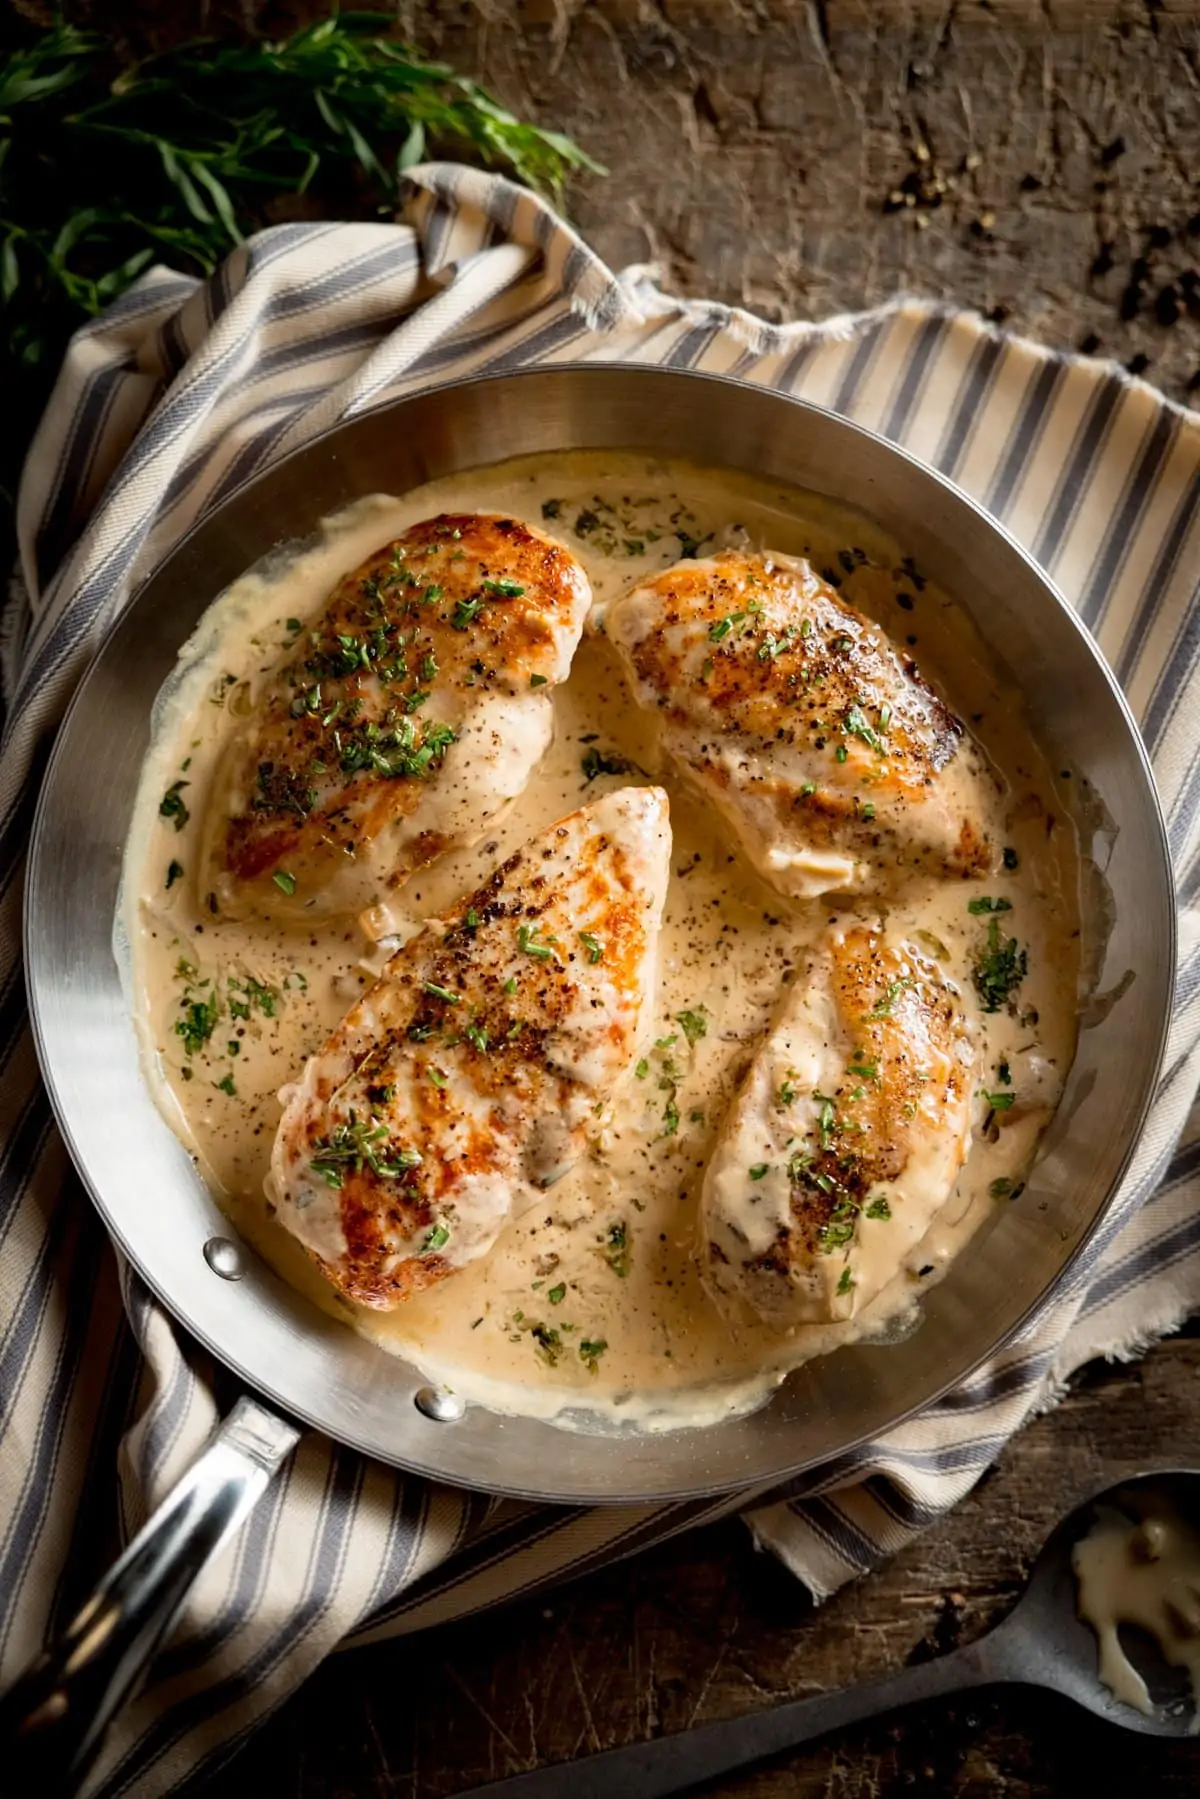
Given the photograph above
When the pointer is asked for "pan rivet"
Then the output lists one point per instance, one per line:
(224, 1258)
(438, 1404)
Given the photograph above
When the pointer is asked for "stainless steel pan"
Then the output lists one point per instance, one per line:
(312, 1369)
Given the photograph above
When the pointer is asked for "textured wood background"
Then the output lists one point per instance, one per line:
(1051, 153)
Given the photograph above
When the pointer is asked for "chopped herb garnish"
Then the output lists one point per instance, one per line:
(1001, 1188)
(477, 1037)
(1004, 1074)
(787, 1091)
(504, 589)
(857, 725)
(528, 945)
(537, 680)
(887, 1005)
(827, 1123)
(510, 986)
(846, 1282)
(590, 1351)
(360, 1143)
(171, 805)
(199, 1020)
(549, 1343)
(226, 1086)
(866, 811)
(999, 1102)
(865, 1070)
(551, 508)
(436, 1075)
(593, 946)
(670, 1119)
(999, 969)
(976, 906)
(616, 1249)
(293, 625)
(808, 787)
(600, 762)
(1011, 858)
(444, 993)
(464, 613)
(557, 1294)
(285, 882)
(174, 873)
(841, 753)
(642, 1069)
(759, 1170)
(720, 630)
(437, 1238)
(879, 1208)
(396, 752)
(695, 1024)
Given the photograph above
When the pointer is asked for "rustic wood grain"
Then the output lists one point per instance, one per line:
(753, 145)
(707, 1628)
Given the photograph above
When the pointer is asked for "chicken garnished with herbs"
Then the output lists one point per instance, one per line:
(832, 759)
(400, 721)
(465, 1081)
(846, 1137)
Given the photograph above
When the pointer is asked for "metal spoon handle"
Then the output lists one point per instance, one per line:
(670, 1764)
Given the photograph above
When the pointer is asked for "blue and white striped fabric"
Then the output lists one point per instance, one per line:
(181, 391)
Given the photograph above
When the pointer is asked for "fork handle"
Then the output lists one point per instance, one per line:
(663, 1765)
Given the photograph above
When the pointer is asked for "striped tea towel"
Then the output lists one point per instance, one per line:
(181, 391)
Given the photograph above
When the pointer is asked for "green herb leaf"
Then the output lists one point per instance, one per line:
(557, 1294)
(616, 1249)
(285, 882)
(984, 904)
(442, 993)
(171, 805)
(1000, 967)
(529, 944)
(593, 946)
(601, 762)
(694, 1024)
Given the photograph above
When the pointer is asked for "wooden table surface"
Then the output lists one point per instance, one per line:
(1041, 163)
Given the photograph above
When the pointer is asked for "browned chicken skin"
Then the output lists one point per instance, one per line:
(847, 1135)
(464, 1081)
(401, 721)
(796, 714)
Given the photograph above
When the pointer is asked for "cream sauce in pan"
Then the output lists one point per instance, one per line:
(609, 1257)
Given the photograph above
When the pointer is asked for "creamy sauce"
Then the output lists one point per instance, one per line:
(610, 1256)
(1142, 1570)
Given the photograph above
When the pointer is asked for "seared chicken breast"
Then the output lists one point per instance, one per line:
(846, 1137)
(400, 722)
(826, 751)
(465, 1080)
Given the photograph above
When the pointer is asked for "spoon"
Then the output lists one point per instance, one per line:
(1041, 1643)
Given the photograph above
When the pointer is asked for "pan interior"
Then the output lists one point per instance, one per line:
(143, 1180)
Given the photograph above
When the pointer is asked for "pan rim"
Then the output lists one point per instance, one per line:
(346, 1432)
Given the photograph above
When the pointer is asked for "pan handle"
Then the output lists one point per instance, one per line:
(54, 1717)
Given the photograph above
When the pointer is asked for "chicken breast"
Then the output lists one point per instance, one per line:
(465, 1080)
(831, 758)
(403, 720)
(846, 1137)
